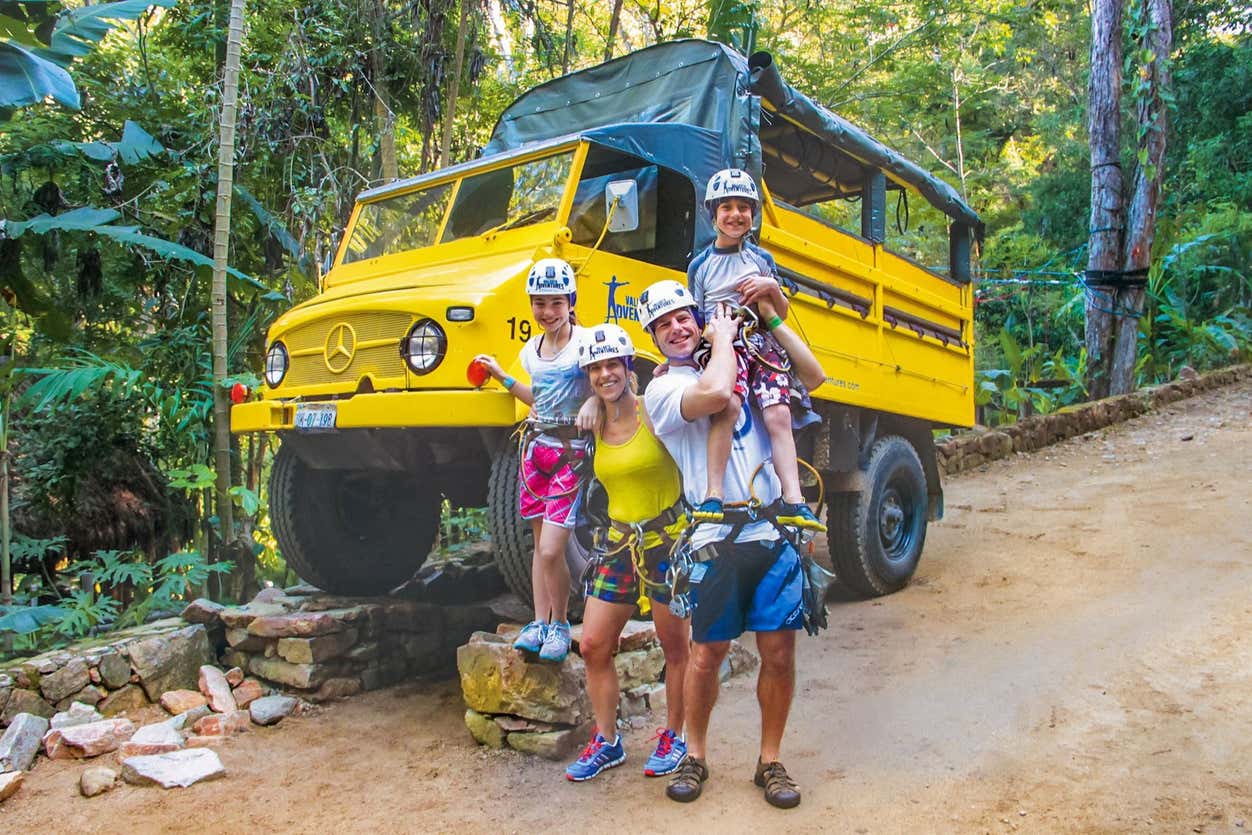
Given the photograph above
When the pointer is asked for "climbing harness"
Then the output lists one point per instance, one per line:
(529, 430)
(633, 540)
(684, 559)
(749, 327)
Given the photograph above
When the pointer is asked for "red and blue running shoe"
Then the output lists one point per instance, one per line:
(596, 757)
(670, 751)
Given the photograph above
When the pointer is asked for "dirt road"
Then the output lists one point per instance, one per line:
(1074, 655)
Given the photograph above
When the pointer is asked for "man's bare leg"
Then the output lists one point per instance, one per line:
(775, 686)
(700, 692)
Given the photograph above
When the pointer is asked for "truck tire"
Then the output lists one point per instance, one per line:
(355, 532)
(512, 540)
(876, 536)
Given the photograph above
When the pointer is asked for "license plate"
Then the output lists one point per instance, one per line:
(315, 416)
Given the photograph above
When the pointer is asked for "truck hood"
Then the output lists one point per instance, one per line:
(465, 281)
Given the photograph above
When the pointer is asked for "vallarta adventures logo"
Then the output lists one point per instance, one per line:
(615, 312)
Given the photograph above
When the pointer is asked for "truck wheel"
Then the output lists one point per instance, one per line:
(357, 532)
(512, 540)
(876, 537)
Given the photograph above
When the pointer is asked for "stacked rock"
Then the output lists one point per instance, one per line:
(133, 669)
(321, 647)
(163, 752)
(543, 709)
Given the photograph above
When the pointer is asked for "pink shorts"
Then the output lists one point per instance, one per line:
(550, 484)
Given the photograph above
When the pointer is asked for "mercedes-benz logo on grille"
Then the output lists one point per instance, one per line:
(340, 348)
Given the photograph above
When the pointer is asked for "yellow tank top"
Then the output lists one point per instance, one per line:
(639, 476)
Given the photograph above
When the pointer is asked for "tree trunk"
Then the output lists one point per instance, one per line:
(221, 249)
(1153, 125)
(569, 37)
(6, 529)
(1104, 129)
(454, 86)
(389, 168)
(615, 20)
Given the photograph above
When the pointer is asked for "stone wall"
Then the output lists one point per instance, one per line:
(129, 670)
(320, 646)
(315, 645)
(972, 449)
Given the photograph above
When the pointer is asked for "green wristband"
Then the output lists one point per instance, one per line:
(508, 383)
(773, 323)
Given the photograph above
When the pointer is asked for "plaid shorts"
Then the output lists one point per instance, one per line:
(615, 580)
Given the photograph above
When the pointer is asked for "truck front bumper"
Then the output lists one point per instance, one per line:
(389, 409)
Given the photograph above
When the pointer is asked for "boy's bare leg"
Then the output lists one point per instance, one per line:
(721, 433)
(778, 425)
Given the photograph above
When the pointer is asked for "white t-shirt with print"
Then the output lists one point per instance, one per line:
(560, 387)
(688, 443)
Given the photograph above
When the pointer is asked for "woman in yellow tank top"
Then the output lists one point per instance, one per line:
(645, 498)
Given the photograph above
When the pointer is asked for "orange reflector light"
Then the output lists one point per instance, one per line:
(238, 393)
(477, 374)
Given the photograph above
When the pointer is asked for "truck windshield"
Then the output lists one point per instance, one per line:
(408, 221)
(503, 198)
(507, 198)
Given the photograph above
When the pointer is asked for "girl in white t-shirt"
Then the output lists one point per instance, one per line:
(550, 473)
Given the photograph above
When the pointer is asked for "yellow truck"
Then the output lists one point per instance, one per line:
(366, 383)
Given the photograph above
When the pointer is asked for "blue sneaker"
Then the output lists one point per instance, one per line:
(670, 751)
(531, 638)
(710, 510)
(596, 757)
(800, 516)
(556, 642)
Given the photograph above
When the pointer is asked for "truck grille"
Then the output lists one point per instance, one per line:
(376, 349)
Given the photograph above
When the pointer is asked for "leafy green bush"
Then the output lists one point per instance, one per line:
(1199, 311)
(1034, 382)
(461, 526)
(163, 586)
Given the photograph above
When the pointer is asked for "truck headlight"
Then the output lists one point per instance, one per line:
(276, 364)
(424, 348)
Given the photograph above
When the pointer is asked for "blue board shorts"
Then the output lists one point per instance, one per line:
(747, 587)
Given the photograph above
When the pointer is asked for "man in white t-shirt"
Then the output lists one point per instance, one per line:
(752, 583)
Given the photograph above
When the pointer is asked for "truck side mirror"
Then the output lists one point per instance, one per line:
(626, 216)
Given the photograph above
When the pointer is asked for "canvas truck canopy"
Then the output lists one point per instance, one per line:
(811, 153)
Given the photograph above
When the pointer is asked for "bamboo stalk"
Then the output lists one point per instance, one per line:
(221, 251)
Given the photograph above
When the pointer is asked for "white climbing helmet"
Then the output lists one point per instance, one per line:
(661, 298)
(730, 182)
(604, 342)
(550, 277)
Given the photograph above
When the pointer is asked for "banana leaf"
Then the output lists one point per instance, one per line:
(96, 221)
(26, 78)
(79, 30)
(26, 619)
